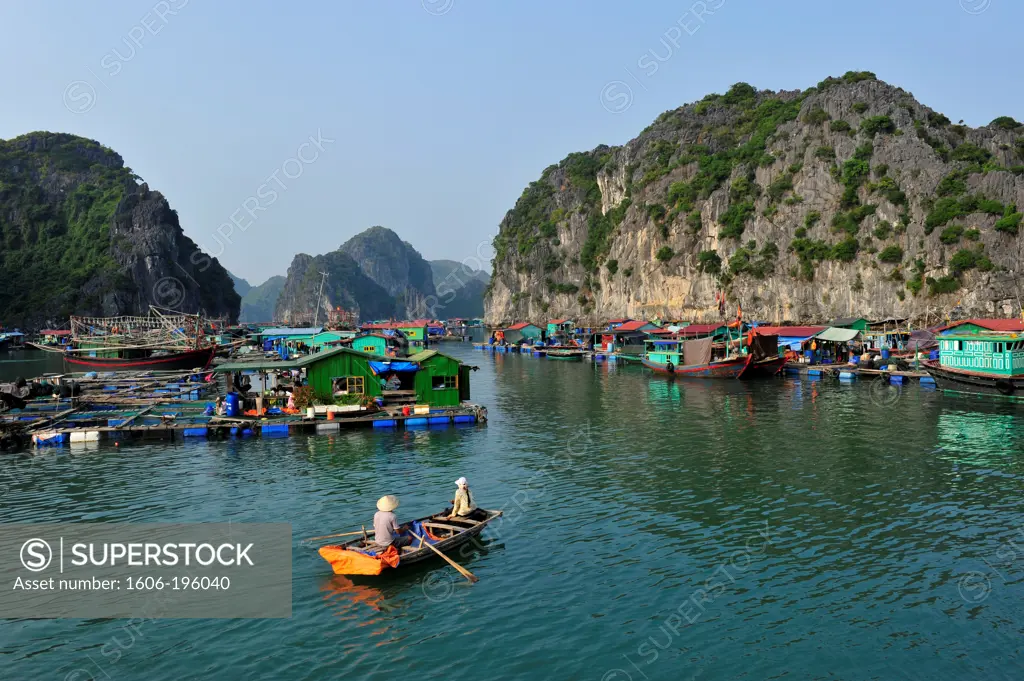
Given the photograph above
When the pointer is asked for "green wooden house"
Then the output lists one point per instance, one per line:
(994, 354)
(441, 381)
(438, 380)
(857, 323)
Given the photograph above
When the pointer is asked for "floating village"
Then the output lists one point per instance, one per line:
(170, 375)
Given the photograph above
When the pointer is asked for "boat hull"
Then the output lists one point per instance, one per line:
(468, 530)
(764, 368)
(731, 368)
(958, 380)
(179, 361)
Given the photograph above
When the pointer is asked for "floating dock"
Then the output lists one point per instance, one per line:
(849, 372)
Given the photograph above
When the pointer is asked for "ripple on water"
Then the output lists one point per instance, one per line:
(800, 526)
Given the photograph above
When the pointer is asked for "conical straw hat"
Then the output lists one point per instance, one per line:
(387, 503)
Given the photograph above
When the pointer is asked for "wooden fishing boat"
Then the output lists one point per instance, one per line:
(980, 363)
(668, 357)
(570, 354)
(171, 361)
(727, 368)
(363, 557)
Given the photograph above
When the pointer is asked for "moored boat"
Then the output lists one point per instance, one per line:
(570, 354)
(693, 358)
(980, 363)
(170, 361)
(364, 557)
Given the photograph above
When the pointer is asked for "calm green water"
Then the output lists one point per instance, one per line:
(654, 530)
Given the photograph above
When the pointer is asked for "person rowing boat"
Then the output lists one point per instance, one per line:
(385, 524)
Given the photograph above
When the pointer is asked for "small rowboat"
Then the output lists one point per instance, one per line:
(570, 354)
(364, 557)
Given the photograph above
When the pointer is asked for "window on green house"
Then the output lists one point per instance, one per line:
(445, 382)
(370, 349)
(349, 385)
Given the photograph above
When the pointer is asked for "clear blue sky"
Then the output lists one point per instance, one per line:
(442, 111)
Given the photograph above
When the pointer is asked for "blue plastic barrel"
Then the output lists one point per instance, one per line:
(934, 354)
(232, 406)
(885, 353)
(855, 359)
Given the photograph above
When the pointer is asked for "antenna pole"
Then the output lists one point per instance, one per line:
(316, 318)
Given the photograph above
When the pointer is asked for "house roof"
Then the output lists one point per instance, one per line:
(421, 356)
(697, 329)
(55, 332)
(632, 325)
(791, 331)
(990, 324)
(271, 364)
(838, 335)
(846, 321)
(558, 321)
(520, 326)
(619, 321)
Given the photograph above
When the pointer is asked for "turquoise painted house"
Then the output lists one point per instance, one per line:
(994, 354)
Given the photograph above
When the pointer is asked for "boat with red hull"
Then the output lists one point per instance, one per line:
(172, 361)
(670, 356)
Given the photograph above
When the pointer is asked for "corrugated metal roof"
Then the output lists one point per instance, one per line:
(520, 326)
(846, 321)
(631, 326)
(989, 323)
(287, 331)
(421, 356)
(271, 364)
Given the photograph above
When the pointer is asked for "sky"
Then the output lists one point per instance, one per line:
(277, 128)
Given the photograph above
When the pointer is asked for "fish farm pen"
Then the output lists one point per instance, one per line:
(179, 405)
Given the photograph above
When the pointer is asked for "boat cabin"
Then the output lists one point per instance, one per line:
(989, 353)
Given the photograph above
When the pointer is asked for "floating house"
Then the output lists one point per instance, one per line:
(560, 326)
(627, 338)
(615, 323)
(858, 323)
(792, 336)
(414, 331)
(521, 332)
(427, 377)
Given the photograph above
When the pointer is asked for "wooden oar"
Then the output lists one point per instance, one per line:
(463, 571)
(342, 534)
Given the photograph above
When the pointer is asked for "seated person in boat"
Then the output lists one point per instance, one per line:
(463, 506)
(385, 524)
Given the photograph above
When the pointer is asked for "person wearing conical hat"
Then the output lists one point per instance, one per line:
(385, 524)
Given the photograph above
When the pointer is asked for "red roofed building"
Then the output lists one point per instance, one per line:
(521, 331)
(981, 324)
(636, 326)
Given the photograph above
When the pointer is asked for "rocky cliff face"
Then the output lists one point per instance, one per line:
(849, 198)
(396, 266)
(80, 235)
(346, 286)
